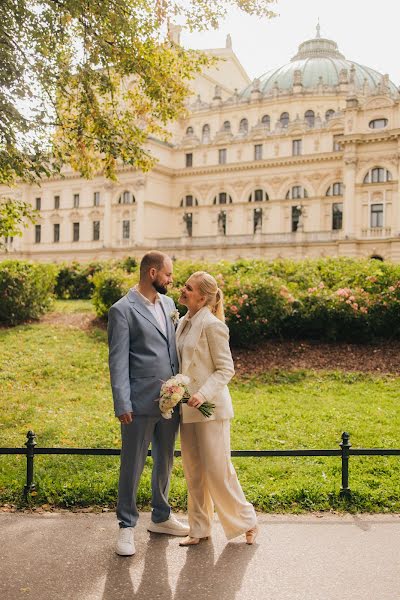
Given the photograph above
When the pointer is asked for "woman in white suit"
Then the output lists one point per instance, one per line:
(205, 357)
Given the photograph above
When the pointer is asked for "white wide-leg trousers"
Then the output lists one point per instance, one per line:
(212, 480)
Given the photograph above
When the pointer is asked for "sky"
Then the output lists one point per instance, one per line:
(366, 32)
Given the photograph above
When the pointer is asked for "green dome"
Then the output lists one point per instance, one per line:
(318, 61)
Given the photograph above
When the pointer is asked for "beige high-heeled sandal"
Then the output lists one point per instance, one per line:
(191, 541)
(251, 535)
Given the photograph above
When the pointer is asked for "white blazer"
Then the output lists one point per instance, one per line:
(207, 360)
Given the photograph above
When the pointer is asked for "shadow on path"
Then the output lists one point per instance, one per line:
(202, 579)
(154, 583)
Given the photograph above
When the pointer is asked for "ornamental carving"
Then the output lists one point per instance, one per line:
(204, 188)
(239, 184)
(139, 184)
(315, 177)
(350, 161)
(277, 180)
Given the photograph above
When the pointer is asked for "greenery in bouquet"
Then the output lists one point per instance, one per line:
(175, 391)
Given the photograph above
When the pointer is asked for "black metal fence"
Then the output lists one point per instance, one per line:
(345, 451)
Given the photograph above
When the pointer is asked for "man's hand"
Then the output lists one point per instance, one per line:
(196, 400)
(126, 418)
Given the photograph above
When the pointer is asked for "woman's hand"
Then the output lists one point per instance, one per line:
(196, 400)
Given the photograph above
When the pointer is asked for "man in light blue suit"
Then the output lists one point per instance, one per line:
(142, 354)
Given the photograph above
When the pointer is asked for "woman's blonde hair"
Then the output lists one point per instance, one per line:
(208, 287)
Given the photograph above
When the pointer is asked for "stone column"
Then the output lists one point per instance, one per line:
(139, 186)
(395, 245)
(349, 203)
(396, 198)
(107, 215)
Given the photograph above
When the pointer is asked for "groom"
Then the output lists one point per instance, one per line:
(142, 354)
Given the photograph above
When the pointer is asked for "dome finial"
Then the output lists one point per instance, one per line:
(318, 30)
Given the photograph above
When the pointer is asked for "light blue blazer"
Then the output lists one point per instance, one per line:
(141, 357)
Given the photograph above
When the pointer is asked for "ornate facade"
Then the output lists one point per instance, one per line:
(301, 162)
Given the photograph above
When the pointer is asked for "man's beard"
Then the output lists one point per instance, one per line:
(159, 287)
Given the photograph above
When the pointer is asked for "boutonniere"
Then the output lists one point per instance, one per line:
(175, 316)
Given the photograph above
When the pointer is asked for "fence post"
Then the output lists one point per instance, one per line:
(30, 454)
(345, 445)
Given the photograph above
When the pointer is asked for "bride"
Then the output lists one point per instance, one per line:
(205, 357)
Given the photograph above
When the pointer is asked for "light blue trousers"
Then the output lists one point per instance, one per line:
(136, 439)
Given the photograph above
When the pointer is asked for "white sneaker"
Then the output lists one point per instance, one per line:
(171, 526)
(125, 544)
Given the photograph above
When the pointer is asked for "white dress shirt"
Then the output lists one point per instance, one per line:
(156, 310)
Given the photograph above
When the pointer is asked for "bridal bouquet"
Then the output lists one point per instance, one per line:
(176, 390)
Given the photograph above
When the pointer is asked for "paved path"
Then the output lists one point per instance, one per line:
(67, 556)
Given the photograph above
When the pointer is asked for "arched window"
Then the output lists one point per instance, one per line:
(329, 114)
(378, 123)
(222, 198)
(189, 131)
(296, 193)
(266, 121)
(226, 126)
(377, 257)
(336, 189)
(284, 119)
(205, 133)
(378, 175)
(189, 200)
(258, 196)
(244, 126)
(309, 118)
(126, 198)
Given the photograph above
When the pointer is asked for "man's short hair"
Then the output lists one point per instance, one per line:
(152, 260)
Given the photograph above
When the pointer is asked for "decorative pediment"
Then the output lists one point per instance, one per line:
(379, 102)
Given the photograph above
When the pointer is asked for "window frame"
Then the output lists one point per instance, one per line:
(222, 156)
(126, 229)
(373, 122)
(258, 151)
(297, 147)
(284, 119)
(75, 231)
(337, 216)
(378, 214)
(38, 233)
(96, 230)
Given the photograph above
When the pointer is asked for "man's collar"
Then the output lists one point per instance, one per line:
(146, 300)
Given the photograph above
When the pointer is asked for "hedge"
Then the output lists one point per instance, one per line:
(26, 290)
(327, 299)
(75, 280)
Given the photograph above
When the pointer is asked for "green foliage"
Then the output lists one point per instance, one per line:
(74, 281)
(129, 263)
(328, 299)
(103, 75)
(110, 286)
(26, 290)
(14, 214)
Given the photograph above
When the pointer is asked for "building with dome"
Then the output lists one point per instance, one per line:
(301, 162)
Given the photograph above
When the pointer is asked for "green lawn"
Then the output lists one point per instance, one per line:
(54, 380)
